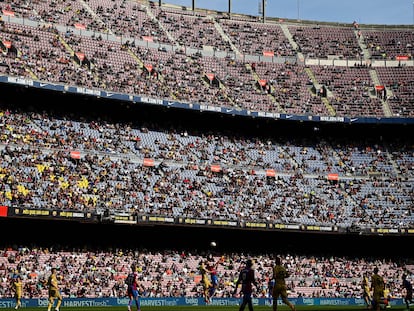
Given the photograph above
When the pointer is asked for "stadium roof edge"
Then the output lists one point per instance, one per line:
(277, 19)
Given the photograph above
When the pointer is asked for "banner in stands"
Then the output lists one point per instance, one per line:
(148, 162)
(333, 176)
(50, 214)
(8, 12)
(124, 219)
(161, 219)
(21, 212)
(3, 211)
(148, 38)
(262, 225)
(9, 303)
(76, 155)
(269, 53)
(192, 221)
(7, 44)
(80, 26)
(215, 168)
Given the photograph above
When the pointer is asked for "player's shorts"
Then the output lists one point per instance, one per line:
(279, 291)
(206, 283)
(214, 280)
(54, 293)
(132, 292)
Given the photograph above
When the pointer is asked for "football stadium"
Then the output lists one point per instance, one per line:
(169, 141)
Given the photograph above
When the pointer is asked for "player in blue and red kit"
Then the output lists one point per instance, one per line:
(270, 286)
(213, 278)
(247, 279)
(408, 297)
(132, 290)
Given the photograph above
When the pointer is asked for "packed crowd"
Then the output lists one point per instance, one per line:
(92, 274)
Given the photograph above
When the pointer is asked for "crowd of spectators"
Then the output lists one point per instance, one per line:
(76, 164)
(101, 273)
(184, 47)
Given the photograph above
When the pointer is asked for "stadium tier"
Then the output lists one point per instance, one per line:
(172, 273)
(89, 164)
(139, 51)
(144, 55)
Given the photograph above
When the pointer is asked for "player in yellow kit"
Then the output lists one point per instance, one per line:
(366, 290)
(280, 288)
(377, 287)
(18, 291)
(54, 292)
(205, 280)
